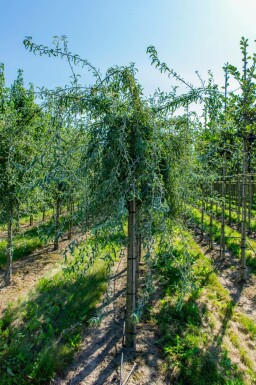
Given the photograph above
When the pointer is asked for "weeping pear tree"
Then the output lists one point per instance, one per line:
(122, 161)
(137, 155)
(127, 170)
(19, 125)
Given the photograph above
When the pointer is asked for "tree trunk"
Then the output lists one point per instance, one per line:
(211, 220)
(222, 231)
(138, 252)
(238, 204)
(57, 224)
(130, 326)
(31, 220)
(43, 218)
(8, 274)
(229, 201)
(250, 205)
(70, 222)
(202, 214)
(243, 222)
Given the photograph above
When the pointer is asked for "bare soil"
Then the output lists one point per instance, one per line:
(228, 271)
(29, 270)
(100, 355)
(26, 273)
(99, 359)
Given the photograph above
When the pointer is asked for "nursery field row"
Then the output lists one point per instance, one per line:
(207, 339)
(232, 237)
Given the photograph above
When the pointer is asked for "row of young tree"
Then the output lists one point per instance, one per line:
(36, 142)
(226, 150)
(105, 154)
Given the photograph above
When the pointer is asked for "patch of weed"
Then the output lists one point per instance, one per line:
(193, 355)
(39, 336)
(232, 237)
(247, 324)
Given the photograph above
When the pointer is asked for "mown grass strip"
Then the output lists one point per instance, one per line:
(234, 217)
(193, 345)
(39, 336)
(25, 219)
(35, 237)
(24, 244)
(247, 324)
(233, 207)
(232, 237)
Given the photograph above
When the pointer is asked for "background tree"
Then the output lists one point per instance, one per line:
(18, 132)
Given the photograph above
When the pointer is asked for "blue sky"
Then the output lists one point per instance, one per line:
(189, 35)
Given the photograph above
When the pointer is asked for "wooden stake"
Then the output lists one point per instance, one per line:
(8, 274)
(130, 326)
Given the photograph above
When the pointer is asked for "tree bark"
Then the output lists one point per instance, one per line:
(202, 214)
(8, 274)
(243, 222)
(222, 231)
(57, 224)
(229, 201)
(130, 326)
(138, 252)
(70, 222)
(238, 204)
(211, 220)
(250, 205)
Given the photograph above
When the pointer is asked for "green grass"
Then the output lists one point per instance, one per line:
(232, 237)
(244, 356)
(194, 353)
(233, 208)
(247, 325)
(25, 219)
(24, 244)
(243, 353)
(234, 217)
(30, 240)
(38, 337)
(37, 217)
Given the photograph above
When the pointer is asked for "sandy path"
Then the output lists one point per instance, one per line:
(228, 271)
(26, 274)
(29, 270)
(99, 358)
(98, 361)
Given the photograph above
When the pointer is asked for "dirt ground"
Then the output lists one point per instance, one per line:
(26, 273)
(244, 296)
(30, 269)
(228, 271)
(99, 360)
